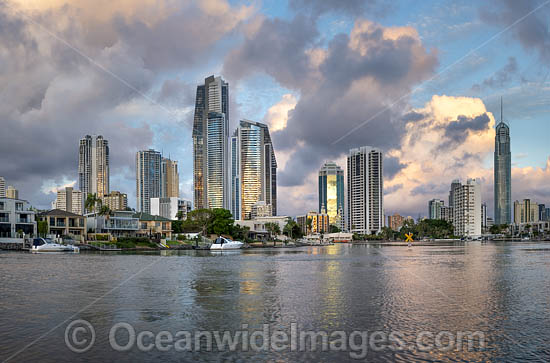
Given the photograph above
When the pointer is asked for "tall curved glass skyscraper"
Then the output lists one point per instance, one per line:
(503, 174)
(331, 193)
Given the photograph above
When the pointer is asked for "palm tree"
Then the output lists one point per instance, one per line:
(92, 202)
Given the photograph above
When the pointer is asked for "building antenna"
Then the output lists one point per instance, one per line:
(501, 119)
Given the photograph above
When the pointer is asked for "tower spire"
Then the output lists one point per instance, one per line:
(501, 119)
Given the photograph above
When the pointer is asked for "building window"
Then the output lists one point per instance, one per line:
(19, 206)
(2, 206)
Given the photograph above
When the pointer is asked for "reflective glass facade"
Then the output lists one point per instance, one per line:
(331, 193)
(503, 175)
(212, 96)
(253, 169)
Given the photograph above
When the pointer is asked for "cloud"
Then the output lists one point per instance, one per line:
(430, 162)
(349, 7)
(501, 78)
(52, 96)
(532, 32)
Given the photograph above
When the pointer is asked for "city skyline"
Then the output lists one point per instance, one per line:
(456, 105)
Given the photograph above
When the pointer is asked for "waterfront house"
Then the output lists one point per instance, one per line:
(17, 220)
(116, 223)
(62, 223)
(154, 226)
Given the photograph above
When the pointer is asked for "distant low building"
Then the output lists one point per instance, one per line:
(257, 226)
(170, 207)
(63, 223)
(395, 222)
(260, 209)
(526, 212)
(319, 223)
(116, 200)
(16, 216)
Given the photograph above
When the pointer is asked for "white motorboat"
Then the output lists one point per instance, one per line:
(47, 245)
(222, 243)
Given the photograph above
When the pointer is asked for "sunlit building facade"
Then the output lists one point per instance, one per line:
(170, 179)
(467, 209)
(503, 174)
(93, 166)
(148, 178)
(365, 191)
(331, 193)
(116, 200)
(319, 223)
(210, 144)
(253, 170)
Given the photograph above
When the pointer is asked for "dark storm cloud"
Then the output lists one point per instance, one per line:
(501, 78)
(348, 88)
(457, 131)
(532, 32)
(52, 96)
(430, 189)
(392, 166)
(413, 116)
(276, 48)
(349, 7)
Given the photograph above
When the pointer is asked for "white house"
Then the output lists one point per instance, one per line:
(16, 219)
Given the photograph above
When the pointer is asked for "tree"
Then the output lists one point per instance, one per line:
(334, 229)
(179, 215)
(105, 211)
(292, 229)
(177, 226)
(388, 233)
(198, 221)
(42, 227)
(272, 229)
(222, 222)
(92, 203)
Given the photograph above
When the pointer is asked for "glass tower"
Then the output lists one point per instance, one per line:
(331, 193)
(253, 169)
(148, 178)
(503, 174)
(93, 166)
(211, 103)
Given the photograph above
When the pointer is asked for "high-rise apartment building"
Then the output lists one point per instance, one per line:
(467, 209)
(170, 208)
(11, 192)
(503, 173)
(483, 216)
(93, 166)
(434, 208)
(116, 200)
(396, 221)
(69, 200)
(526, 212)
(2, 187)
(148, 178)
(170, 179)
(210, 144)
(253, 170)
(365, 191)
(331, 193)
(454, 185)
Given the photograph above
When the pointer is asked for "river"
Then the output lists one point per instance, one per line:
(373, 303)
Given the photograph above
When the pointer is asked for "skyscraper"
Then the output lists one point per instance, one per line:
(467, 209)
(148, 178)
(454, 185)
(210, 144)
(93, 166)
(503, 173)
(365, 191)
(253, 170)
(331, 193)
(434, 208)
(2, 187)
(170, 179)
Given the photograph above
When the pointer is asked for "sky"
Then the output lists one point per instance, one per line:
(420, 80)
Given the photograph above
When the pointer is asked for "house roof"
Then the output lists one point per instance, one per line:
(149, 218)
(59, 213)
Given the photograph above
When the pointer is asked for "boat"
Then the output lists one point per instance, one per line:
(47, 245)
(223, 243)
